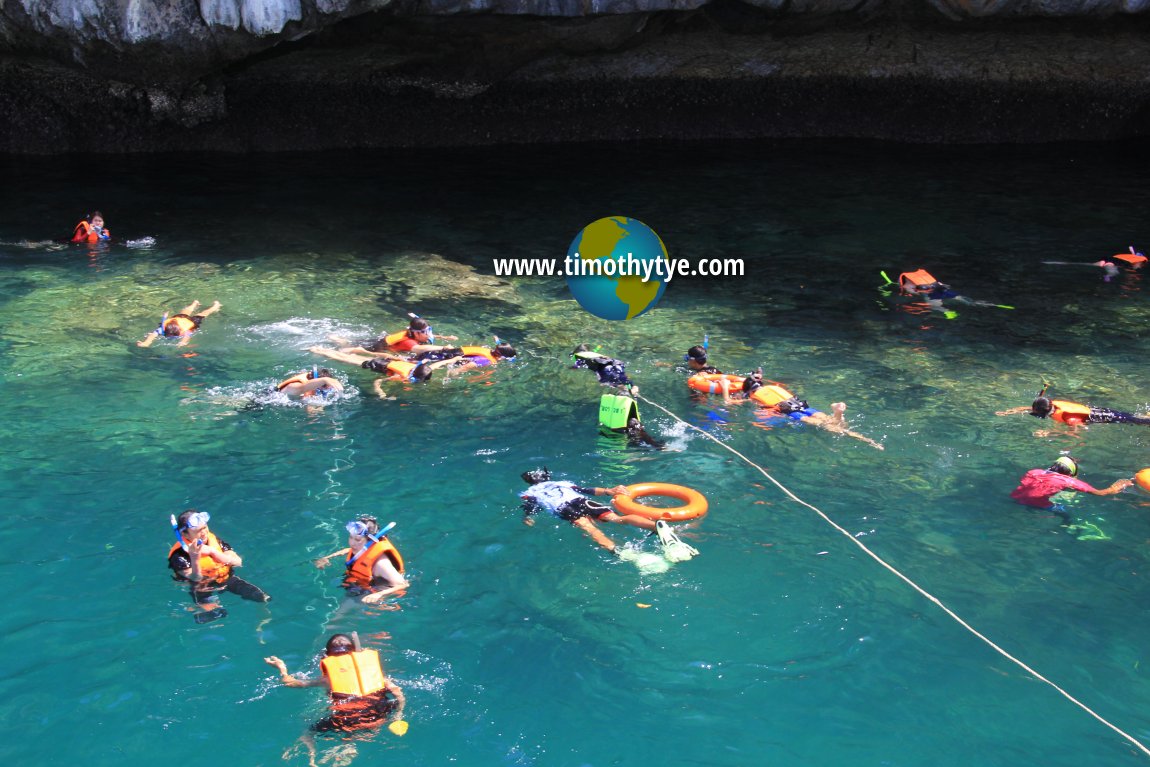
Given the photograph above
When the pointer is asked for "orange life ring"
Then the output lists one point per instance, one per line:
(694, 504)
(710, 383)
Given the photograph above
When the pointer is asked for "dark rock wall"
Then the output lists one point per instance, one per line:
(272, 75)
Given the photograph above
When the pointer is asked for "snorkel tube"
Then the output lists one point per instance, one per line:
(176, 529)
(163, 321)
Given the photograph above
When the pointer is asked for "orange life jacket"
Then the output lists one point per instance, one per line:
(210, 569)
(393, 338)
(1130, 258)
(85, 232)
(186, 325)
(770, 395)
(1063, 410)
(359, 571)
(353, 674)
(480, 351)
(916, 280)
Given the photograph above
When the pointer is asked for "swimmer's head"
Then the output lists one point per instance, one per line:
(1041, 407)
(422, 372)
(535, 476)
(418, 325)
(753, 381)
(318, 373)
(172, 329)
(363, 526)
(696, 355)
(504, 350)
(340, 644)
(190, 519)
(1066, 465)
(792, 405)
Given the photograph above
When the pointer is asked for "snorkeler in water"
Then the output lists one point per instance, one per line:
(181, 325)
(418, 336)
(91, 229)
(782, 404)
(308, 384)
(1073, 414)
(608, 370)
(922, 284)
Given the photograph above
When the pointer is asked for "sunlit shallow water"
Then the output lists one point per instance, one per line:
(781, 643)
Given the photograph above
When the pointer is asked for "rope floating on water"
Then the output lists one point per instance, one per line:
(905, 579)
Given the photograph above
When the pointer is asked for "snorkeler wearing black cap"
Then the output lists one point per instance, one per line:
(696, 359)
(1073, 414)
(568, 501)
(362, 695)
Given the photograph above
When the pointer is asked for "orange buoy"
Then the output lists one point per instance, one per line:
(694, 504)
(1143, 479)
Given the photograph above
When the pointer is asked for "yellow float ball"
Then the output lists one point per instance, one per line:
(1143, 479)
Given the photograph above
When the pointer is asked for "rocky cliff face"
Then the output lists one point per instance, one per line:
(236, 75)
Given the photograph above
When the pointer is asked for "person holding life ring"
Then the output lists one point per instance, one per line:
(374, 565)
(91, 229)
(181, 325)
(1073, 414)
(568, 502)
(362, 695)
(1045, 488)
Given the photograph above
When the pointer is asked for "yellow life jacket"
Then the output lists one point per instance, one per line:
(770, 395)
(186, 325)
(393, 338)
(353, 674)
(480, 351)
(401, 368)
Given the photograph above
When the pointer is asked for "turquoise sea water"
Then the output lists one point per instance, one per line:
(780, 644)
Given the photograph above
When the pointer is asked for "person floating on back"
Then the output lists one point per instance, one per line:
(181, 325)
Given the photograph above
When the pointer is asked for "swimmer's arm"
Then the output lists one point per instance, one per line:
(324, 561)
(290, 680)
(617, 490)
(385, 570)
(148, 340)
(378, 386)
(184, 340)
(1117, 487)
(530, 509)
(400, 700)
(1013, 410)
(840, 428)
